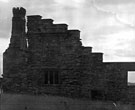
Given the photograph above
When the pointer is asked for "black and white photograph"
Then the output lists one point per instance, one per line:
(67, 54)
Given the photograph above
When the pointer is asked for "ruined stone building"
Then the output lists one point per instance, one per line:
(48, 58)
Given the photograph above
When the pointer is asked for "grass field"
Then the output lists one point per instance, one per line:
(46, 102)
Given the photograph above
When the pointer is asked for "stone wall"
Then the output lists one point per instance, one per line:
(50, 59)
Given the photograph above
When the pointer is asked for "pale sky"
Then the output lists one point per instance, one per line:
(106, 25)
(131, 76)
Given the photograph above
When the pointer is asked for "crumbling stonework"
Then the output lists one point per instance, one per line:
(50, 59)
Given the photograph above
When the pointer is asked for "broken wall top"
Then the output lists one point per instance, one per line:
(38, 25)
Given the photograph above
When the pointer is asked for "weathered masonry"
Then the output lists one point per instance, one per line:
(49, 58)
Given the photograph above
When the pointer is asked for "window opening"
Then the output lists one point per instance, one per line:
(131, 78)
(51, 77)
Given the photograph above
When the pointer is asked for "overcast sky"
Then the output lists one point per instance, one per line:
(106, 25)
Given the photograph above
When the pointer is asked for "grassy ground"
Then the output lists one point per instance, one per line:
(31, 102)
